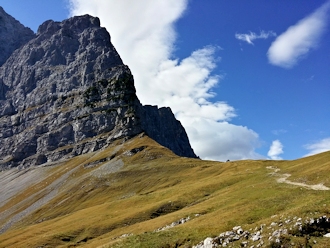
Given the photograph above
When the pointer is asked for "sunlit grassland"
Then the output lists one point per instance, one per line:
(154, 188)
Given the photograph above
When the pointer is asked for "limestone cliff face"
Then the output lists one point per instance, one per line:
(12, 35)
(67, 92)
(161, 125)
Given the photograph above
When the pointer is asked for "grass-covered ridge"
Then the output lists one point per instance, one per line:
(119, 196)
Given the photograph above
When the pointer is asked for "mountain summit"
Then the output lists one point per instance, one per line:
(66, 92)
(12, 35)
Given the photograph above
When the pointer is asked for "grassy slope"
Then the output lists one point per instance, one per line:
(155, 188)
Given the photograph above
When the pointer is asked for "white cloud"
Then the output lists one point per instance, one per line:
(318, 147)
(275, 150)
(144, 35)
(221, 140)
(299, 39)
(249, 38)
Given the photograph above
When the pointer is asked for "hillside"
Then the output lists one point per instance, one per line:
(84, 164)
(120, 196)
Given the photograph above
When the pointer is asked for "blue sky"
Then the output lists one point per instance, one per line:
(247, 79)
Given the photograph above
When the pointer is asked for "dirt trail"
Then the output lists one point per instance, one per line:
(284, 179)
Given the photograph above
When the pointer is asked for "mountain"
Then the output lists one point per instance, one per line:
(66, 92)
(85, 164)
(12, 35)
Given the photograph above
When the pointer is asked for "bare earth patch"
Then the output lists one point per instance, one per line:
(284, 179)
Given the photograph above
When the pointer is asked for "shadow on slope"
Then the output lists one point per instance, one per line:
(137, 186)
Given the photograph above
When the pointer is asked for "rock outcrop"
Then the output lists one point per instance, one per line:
(277, 234)
(12, 35)
(67, 92)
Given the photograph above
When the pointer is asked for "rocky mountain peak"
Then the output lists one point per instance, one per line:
(66, 92)
(77, 23)
(12, 35)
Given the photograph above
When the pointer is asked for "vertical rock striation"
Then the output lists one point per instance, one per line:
(12, 35)
(67, 92)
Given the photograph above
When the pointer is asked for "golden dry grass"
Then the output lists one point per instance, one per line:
(153, 188)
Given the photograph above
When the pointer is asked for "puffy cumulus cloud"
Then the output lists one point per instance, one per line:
(221, 140)
(299, 39)
(318, 147)
(249, 38)
(143, 33)
(186, 87)
(275, 150)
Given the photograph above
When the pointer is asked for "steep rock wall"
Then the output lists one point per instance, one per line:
(67, 92)
(12, 35)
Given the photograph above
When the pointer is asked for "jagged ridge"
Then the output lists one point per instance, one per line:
(12, 35)
(67, 92)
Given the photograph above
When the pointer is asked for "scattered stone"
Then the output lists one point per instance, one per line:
(244, 244)
(173, 224)
(256, 236)
(280, 229)
(235, 228)
(125, 235)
